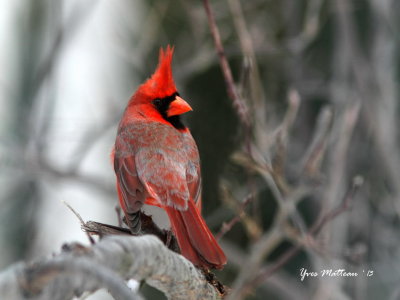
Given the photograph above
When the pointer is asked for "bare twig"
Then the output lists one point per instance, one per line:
(314, 155)
(233, 94)
(350, 194)
(91, 240)
(226, 227)
(280, 137)
(311, 28)
(74, 212)
(246, 44)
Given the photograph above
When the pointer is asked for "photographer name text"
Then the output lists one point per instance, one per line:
(305, 273)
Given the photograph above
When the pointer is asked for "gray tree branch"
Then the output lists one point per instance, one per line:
(107, 264)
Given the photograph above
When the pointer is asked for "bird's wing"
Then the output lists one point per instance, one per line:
(193, 173)
(163, 175)
(130, 189)
(159, 159)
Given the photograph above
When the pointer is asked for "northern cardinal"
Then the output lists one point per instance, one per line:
(156, 162)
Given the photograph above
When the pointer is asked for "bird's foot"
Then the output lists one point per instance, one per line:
(134, 222)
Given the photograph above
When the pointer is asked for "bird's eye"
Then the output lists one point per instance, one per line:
(157, 102)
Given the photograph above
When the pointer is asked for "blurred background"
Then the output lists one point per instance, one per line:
(319, 78)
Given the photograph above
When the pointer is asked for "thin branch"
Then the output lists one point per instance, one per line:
(226, 227)
(246, 45)
(280, 139)
(74, 212)
(350, 194)
(91, 240)
(315, 153)
(233, 94)
(311, 27)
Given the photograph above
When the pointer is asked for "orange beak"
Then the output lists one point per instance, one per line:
(178, 107)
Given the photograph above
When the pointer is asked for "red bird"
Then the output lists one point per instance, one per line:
(156, 162)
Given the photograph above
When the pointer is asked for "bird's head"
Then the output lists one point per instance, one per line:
(159, 91)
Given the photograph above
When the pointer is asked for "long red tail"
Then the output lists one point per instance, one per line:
(195, 239)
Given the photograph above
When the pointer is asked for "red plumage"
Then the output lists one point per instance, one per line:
(156, 162)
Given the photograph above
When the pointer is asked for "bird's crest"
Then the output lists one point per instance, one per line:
(161, 83)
